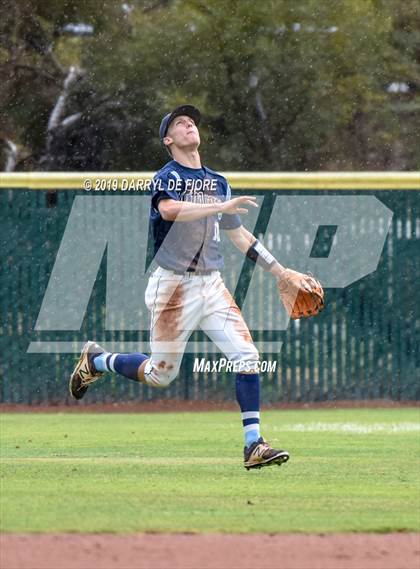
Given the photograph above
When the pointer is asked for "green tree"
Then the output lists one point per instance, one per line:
(282, 85)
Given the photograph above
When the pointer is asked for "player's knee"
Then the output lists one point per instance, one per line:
(161, 374)
(164, 379)
(247, 360)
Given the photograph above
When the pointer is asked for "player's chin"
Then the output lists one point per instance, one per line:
(190, 147)
(192, 138)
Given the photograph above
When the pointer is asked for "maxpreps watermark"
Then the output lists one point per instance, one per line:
(202, 365)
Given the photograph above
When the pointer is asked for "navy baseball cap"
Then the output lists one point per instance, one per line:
(187, 110)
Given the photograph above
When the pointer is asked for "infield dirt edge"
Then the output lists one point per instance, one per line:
(182, 406)
(210, 551)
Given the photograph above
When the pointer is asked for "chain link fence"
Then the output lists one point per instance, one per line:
(365, 345)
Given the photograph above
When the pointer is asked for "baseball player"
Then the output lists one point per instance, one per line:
(190, 204)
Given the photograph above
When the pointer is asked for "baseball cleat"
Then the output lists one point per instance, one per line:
(85, 373)
(260, 454)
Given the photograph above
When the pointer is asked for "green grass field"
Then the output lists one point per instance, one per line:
(350, 470)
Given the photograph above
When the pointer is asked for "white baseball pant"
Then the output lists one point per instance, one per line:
(181, 303)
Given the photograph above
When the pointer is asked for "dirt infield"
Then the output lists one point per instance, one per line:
(178, 405)
(210, 551)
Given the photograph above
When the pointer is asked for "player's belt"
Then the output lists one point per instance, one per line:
(195, 273)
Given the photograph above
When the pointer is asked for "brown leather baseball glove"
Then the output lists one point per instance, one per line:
(301, 294)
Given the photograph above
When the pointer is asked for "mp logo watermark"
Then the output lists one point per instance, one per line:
(118, 226)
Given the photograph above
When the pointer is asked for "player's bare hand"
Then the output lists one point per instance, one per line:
(238, 205)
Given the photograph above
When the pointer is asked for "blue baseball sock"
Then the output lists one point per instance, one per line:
(248, 397)
(99, 361)
(124, 364)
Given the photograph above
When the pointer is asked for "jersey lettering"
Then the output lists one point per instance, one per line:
(216, 236)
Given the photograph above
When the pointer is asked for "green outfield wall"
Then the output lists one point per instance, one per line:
(365, 345)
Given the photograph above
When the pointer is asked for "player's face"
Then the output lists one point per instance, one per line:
(183, 133)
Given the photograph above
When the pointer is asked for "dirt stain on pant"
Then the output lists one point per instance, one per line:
(235, 315)
(168, 324)
(163, 365)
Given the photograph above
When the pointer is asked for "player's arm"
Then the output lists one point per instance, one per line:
(301, 294)
(254, 250)
(173, 210)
